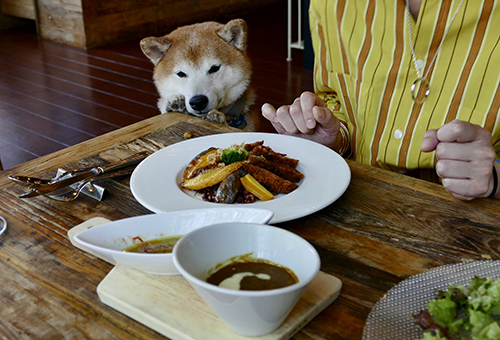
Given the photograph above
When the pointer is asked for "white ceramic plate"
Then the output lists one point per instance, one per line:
(109, 240)
(155, 181)
(390, 318)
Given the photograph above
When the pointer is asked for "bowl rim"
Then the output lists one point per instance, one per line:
(94, 246)
(247, 293)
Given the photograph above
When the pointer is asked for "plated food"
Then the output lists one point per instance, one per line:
(156, 182)
(391, 317)
(241, 173)
(463, 312)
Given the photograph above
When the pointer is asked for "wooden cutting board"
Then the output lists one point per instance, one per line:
(170, 306)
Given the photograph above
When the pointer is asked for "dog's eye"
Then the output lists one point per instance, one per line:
(214, 69)
(181, 74)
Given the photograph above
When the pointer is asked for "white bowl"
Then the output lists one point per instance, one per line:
(249, 313)
(110, 239)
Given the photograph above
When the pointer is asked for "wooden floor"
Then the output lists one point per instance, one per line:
(53, 96)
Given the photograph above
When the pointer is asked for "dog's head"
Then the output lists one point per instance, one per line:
(205, 63)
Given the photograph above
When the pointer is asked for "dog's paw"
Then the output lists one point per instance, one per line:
(216, 116)
(177, 103)
(174, 104)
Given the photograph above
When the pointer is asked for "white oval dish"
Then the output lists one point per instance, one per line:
(110, 239)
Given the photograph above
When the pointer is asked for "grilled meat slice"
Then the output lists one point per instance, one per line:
(272, 182)
(280, 169)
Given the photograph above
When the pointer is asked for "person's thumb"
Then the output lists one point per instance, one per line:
(430, 141)
(326, 118)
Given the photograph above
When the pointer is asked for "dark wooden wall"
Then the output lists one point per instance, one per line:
(93, 23)
(118, 20)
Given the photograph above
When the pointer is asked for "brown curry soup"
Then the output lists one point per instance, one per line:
(253, 274)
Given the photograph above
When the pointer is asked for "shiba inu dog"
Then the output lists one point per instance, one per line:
(203, 70)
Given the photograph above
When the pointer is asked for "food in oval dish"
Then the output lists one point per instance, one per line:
(241, 173)
(162, 245)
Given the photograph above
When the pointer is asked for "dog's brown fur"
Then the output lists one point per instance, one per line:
(200, 64)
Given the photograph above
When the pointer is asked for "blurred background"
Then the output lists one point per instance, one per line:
(72, 70)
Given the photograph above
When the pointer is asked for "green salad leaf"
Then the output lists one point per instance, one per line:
(443, 310)
(461, 310)
(432, 336)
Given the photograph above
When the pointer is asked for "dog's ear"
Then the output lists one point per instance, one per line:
(155, 48)
(235, 33)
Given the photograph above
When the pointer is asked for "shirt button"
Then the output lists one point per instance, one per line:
(419, 64)
(398, 134)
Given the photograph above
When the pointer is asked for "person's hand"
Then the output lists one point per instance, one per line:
(307, 117)
(465, 158)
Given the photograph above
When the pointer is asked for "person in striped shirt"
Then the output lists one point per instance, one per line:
(413, 85)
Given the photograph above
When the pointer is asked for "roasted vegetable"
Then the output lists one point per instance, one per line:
(210, 177)
(208, 157)
(235, 153)
(254, 187)
(229, 187)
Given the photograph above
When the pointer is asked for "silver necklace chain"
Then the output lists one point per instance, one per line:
(423, 79)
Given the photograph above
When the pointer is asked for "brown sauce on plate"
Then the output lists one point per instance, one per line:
(258, 275)
(156, 246)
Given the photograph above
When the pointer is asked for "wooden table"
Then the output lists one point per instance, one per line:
(385, 228)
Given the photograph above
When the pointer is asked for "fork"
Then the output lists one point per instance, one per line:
(35, 182)
(68, 194)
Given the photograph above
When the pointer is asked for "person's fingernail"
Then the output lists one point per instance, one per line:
(310, 123)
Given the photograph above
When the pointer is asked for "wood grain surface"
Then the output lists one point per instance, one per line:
(385, 228)
(169, 305)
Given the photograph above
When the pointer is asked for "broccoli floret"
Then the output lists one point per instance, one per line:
(234, 153)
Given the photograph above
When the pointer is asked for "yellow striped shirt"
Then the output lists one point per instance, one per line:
(364, 70)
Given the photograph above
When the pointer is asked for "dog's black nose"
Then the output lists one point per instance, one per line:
(198, 103)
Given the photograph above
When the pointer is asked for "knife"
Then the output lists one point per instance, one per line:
(35, 182)
(96, 171)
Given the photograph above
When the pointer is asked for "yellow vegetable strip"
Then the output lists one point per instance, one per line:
(210, 177)
(254, 187)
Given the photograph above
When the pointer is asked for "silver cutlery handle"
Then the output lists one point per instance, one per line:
(132, 160)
